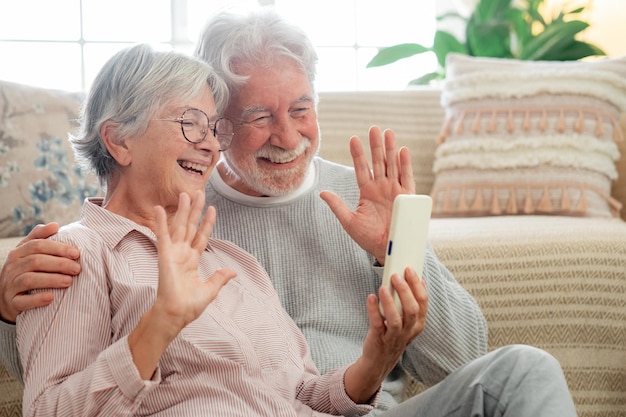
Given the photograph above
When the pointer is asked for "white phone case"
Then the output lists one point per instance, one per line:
(408, 237)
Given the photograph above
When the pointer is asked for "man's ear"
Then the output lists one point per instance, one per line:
(117, 147)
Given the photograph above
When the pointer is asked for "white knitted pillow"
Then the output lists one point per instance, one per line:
(524, 137)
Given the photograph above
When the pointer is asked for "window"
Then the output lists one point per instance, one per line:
(63, 43)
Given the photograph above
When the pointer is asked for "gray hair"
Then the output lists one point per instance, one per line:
(131, 88)
(258, 38)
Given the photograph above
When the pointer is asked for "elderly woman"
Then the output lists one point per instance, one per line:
(163, 320)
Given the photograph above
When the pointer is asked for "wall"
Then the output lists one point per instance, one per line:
(608, 26)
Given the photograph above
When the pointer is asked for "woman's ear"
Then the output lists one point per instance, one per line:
(116, 146)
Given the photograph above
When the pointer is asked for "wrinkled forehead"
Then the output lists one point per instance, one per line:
(271, 90)
(245, 69)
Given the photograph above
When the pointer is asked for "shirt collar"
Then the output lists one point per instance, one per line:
(110, 226)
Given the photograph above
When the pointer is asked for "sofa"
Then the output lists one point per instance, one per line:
(555, 281)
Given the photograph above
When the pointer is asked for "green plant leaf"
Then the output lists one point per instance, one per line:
(450, 15)
(532, 6)
(556, 36)
(576, 11)
(534, 16)
(445, 43)
(521, 31)
(490, 38)
(427, 78)
(394, 53)
(576, 50)
(490, 10)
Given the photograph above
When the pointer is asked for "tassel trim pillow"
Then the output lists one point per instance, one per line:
(529, 137)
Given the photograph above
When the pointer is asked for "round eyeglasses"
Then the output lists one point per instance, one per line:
(195, 125)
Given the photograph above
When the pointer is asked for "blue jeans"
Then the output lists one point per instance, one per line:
(514, 380)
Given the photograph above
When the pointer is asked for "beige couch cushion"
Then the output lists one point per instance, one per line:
(10, 395)
(555, 282)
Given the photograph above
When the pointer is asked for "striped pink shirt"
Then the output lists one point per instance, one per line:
(243, 356)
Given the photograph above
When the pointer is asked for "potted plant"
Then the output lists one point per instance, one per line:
(501, 29)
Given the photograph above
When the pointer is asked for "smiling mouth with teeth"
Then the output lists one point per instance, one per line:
(276, 162)
(190, 166)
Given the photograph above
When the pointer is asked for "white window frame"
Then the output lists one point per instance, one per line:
(180, 41)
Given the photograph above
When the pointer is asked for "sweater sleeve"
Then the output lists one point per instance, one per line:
(455, 332)
(8, 350)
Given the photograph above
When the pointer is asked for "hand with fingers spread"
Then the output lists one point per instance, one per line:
(391, 174)
(181, 292)
(182, 295)
(388, 335)
(36, 263)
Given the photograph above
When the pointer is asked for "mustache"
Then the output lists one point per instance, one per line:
(280, 155)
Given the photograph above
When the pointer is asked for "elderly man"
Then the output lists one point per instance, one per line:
(321, 259)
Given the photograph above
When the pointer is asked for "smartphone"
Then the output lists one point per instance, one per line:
(408, 237)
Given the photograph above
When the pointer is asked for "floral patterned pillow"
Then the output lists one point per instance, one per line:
(39, 180)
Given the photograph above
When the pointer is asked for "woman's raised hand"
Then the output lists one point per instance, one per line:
(182, 293)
